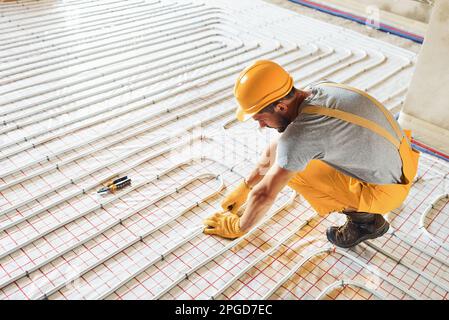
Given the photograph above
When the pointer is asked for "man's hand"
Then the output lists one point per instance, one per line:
(235, 199)
(223, 224)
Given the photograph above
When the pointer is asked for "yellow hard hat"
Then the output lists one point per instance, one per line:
(258, 85)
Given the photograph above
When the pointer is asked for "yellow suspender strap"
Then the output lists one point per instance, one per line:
(387, 113)
(352, 118)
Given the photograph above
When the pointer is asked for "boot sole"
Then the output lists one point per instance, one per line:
(380, 232)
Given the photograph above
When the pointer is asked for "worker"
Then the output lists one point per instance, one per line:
(339, 148)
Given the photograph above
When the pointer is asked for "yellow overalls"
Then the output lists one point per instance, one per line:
(328, 190)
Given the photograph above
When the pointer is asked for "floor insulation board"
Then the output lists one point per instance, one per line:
(94, 90)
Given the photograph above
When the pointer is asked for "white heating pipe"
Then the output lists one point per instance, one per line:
(315, 253)
(116, 129)
(120, 221)
(92, 209)
(422, 224)
(24, 11)
(93, 27)
(200, 41)
(107, 35)
(161, 91)
(123, 137)
(60, 56)
(105, 50)
(344, 283)
(36, 197)
(115, 52)
(137, 238)
(119, 88)
(262, 257)
(79, 17)
(403, 237)
(204, 262)
(431, 278)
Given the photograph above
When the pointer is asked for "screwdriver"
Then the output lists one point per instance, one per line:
(115, 185)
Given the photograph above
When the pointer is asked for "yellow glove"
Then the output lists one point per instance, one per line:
(223, 224)
(235, 199)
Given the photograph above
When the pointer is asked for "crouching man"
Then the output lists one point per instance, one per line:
(339, 148)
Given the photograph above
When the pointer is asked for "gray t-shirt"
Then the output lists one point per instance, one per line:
(351, 149)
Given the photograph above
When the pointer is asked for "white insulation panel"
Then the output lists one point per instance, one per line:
(93, 90)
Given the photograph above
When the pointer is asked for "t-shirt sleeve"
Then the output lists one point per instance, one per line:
(295, 150)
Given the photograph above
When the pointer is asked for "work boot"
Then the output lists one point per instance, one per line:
(359, 226)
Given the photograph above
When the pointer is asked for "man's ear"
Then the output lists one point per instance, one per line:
(281, 107)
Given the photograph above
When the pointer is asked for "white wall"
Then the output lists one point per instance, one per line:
(407, 8)
(426, 108)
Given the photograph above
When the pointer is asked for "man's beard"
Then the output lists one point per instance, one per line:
(284, 124)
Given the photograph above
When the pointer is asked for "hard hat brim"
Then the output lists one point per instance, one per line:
(241, 115)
